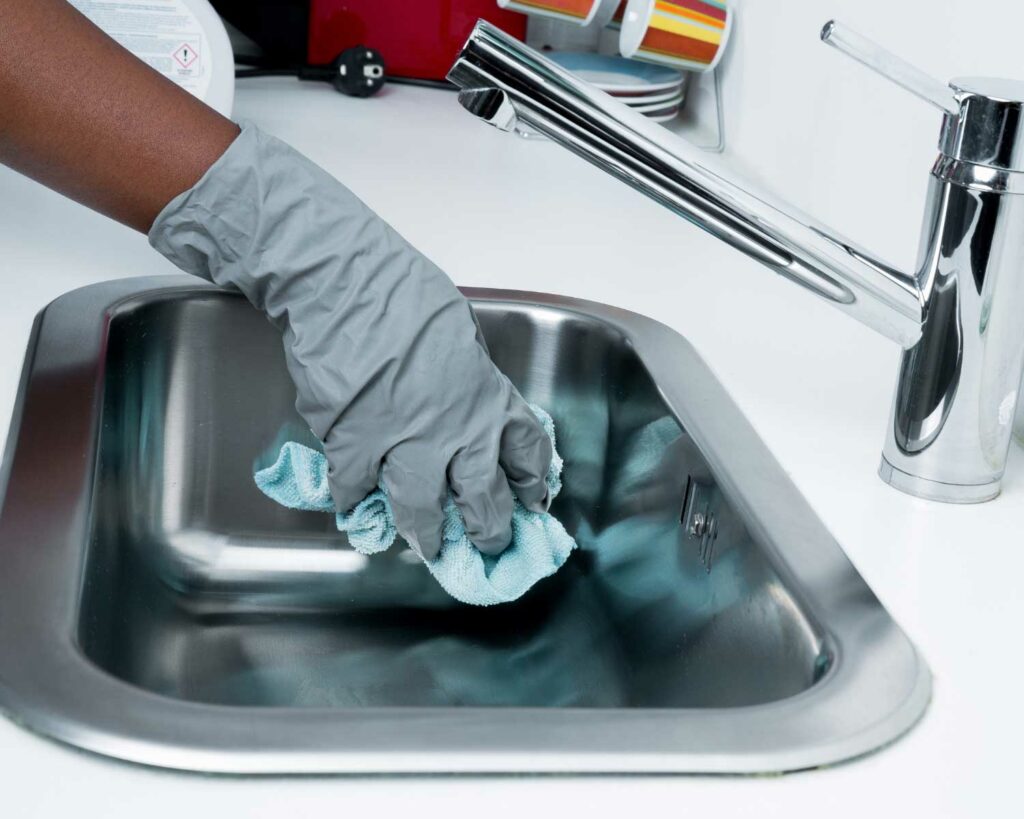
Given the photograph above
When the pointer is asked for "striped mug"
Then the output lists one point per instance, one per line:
(615, 21)
(686, 34)
(580, 12)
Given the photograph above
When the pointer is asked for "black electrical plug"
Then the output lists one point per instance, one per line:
(356, 72)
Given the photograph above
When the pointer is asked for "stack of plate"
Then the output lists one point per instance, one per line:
(653, 90)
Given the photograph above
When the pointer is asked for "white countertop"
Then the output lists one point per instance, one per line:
(499, 211)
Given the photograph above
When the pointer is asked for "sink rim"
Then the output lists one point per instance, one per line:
(877, 688)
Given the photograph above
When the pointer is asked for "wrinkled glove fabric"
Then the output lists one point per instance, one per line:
(391, 372)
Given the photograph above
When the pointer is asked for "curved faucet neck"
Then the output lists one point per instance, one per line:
(505, 83)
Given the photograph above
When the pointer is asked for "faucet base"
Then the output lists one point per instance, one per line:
(937, 490)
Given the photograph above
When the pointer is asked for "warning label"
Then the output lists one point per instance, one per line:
(186, 55)
(163, 33)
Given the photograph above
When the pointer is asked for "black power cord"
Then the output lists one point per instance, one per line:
(357, 72)
(443, 85)
(242, 73)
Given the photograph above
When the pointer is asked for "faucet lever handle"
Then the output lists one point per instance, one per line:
(891, 67)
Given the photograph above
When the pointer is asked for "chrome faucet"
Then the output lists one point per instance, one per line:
(959, 317)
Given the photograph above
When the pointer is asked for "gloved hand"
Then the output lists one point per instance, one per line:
(390, 370)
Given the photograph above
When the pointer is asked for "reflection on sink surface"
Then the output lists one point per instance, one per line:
(707, 621)
(634, 619)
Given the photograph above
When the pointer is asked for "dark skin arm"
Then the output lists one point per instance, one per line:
(85, 117)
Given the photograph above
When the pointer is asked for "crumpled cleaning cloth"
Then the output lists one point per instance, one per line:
(539, 547)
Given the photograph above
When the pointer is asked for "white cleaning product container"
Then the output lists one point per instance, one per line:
(184, 40)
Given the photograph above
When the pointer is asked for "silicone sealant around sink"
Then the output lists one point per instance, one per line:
(156, 608)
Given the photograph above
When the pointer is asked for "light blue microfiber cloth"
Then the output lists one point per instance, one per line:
(540, 544)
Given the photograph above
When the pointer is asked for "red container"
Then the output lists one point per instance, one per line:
(417, 38)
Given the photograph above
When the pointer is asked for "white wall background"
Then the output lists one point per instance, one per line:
(826, 133)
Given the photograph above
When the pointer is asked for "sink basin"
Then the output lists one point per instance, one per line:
(155, 607)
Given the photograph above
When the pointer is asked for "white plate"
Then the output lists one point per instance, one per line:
(657, 105)
(617, 75)
(646, 99)
(665, 117)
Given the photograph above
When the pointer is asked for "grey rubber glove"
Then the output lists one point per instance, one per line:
(386, 357)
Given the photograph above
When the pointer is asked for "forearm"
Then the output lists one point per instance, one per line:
(83, 116)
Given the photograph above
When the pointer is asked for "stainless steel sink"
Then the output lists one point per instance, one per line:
(155, 607)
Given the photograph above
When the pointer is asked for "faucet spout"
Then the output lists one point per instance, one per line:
(504, 82)
(491, 105)
(957, 317)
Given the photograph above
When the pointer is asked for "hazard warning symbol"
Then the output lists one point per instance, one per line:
(185, 55)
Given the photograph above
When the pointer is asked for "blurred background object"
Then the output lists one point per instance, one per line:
(184, 40)
(417, 43)
(697, 114)
(688, 34)
(577, 12)
(416, 40)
